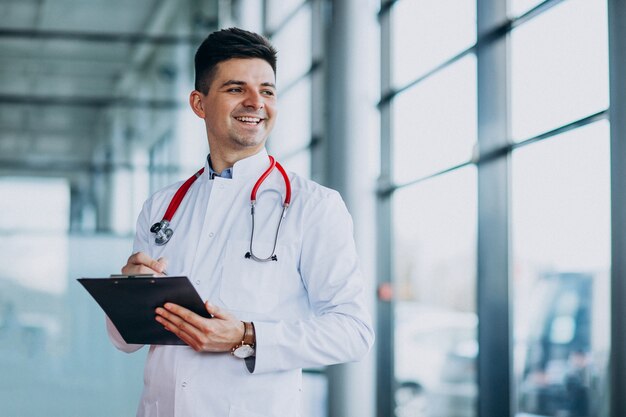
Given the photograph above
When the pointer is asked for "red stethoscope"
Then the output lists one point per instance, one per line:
(164, 233)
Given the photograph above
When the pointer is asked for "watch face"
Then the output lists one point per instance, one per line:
(244, 351)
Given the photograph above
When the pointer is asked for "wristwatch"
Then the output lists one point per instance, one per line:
(245, 348)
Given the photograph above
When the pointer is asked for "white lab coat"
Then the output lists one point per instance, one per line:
(308, 308)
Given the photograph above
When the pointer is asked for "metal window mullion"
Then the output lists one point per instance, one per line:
(393, 92)
(385, 389)
(534, 12)
(310, 72)
(316, 146)
(264, 18)
(493, 301)
(617, 117)
(497, 152)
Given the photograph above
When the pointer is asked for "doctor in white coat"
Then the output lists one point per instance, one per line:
(270, 319)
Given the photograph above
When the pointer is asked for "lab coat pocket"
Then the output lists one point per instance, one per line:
(248, 285)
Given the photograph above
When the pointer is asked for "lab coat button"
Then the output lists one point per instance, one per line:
(211, 234)
(184, 384)
(197, 282)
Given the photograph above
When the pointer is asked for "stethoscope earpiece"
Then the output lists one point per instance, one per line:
(249, 255)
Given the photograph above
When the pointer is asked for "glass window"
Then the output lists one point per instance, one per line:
(434, 123)
(425, 33)
(55, 356)
(561, 243)
(293, 42)
(292, 131)
(435, 278)
(279, 10)
(291, 139)
(300, 163)
(559, 67)
(24, 198)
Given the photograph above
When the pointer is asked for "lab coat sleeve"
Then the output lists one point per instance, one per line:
(140, 245)
(340, 329)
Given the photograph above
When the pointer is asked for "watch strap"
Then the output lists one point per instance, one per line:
(248, 341)
(248, 334)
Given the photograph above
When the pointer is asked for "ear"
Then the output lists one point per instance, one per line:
(195, 101)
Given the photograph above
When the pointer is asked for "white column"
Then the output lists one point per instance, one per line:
(351, 149)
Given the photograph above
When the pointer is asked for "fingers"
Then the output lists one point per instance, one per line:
(182, 331)
(140, 263)
(183, 323)
(218, 334)
(184, 314)
(137, 270)
(217, 312)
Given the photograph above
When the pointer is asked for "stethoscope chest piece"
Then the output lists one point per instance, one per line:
(162, 231)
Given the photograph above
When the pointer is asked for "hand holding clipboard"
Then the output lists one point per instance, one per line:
(130, 303)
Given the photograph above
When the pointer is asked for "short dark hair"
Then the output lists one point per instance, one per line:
(226, 44)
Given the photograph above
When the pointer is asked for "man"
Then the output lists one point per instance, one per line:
(304, 308)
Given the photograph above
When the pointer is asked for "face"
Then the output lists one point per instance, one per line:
(239, 109)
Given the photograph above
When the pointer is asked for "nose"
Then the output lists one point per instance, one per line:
(254, 100)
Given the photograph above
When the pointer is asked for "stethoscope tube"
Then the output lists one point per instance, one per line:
(287, 201)
(161, 229)
(163, 233)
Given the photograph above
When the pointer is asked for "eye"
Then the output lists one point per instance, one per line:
(268, 93)
(235, 90)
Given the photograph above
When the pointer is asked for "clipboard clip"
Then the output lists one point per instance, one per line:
(132, 276)
(122, 276)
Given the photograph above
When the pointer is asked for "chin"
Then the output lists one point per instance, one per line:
(249, 142)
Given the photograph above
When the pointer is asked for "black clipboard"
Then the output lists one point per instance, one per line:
(130, 301)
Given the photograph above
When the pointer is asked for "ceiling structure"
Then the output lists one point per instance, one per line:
(65, 63)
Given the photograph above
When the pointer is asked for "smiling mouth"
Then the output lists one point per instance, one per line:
(252, 121)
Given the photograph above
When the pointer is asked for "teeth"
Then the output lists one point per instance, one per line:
(249, 119)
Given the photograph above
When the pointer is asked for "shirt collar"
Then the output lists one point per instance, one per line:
(245, 168)
(227, 173)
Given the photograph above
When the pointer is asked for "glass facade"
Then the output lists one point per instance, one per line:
(434, 207)
(55, 357)
(548, 65)
(545, 90)
(435, 315)
(560, 203)
(435, 122)
(291, 32)
(561, 269)
(426, 33)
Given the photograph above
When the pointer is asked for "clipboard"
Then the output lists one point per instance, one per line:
(130, 301)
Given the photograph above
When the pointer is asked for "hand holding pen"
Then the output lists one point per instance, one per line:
(140, 264)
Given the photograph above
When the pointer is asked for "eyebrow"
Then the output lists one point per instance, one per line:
(237, 82)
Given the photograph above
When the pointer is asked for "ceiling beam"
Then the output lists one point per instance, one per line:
(158, 22)
(99, 37)
(93, 102)
(74, 166)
